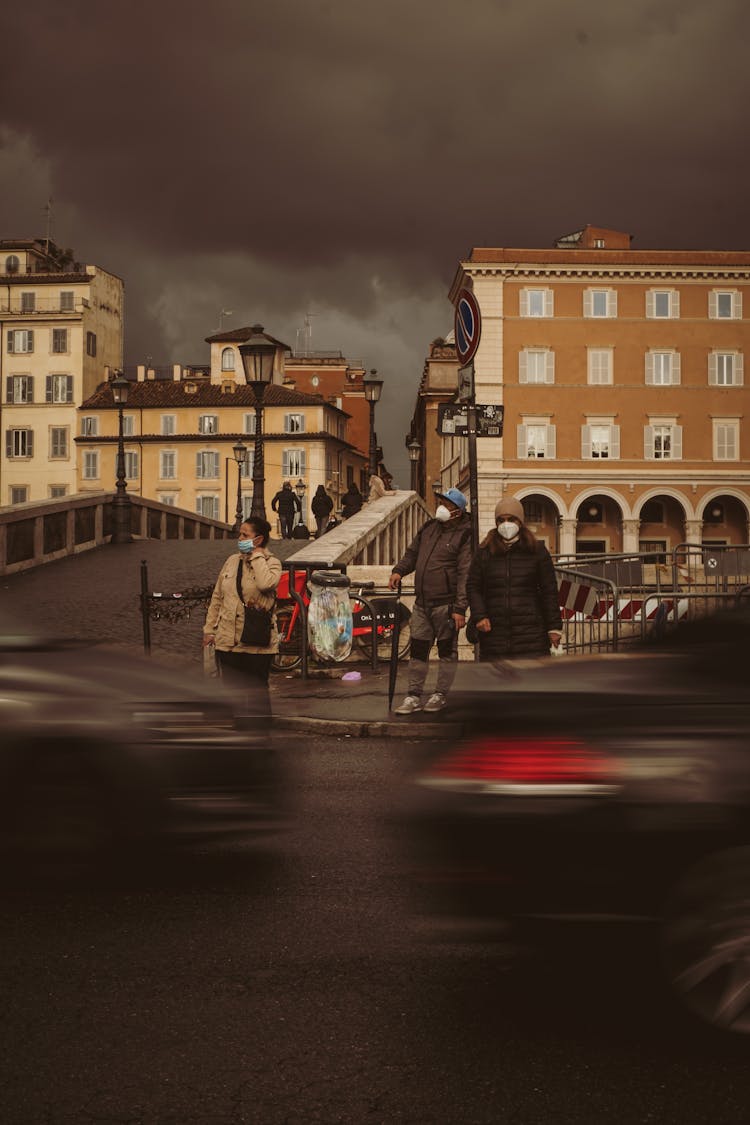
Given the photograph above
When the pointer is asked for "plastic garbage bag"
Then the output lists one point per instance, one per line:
(329, 616)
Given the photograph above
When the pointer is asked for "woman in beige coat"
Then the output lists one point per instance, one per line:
(245, 666)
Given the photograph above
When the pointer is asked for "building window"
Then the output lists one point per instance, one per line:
(19, 443)
(227, 359)
(726, 440)
(207, 465)
(21, 341)
(59, 341)
(662, 304)
(662, 442)
(89, 425)
(19, 389)
(58, 442)
(662, 368)
(600, 441)
(536, 365)
(248, 423)
(91, 464)
(294, 423)
(167, 465)
(532, 510)
(652, 512)
(536, 440)
(655, 550)
(91, 343)
(599, 303)
(293, 463)
(66, 300)
(28, 302)
(725, 304)
(56, 491)
(131, 465)
(208, 424)
(128, 425)
(168, 498)
(536, 302)
(246, 468)
(725, 369)
(168, 425)
(208, 506)
(19, 494)
(58, 388)
(12, 263)
(600, 365)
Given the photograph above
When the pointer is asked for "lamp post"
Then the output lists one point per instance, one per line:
(414, 449)
(372, 387)
(121, 503)
(240, 455)
(301, 488)
(258, 354)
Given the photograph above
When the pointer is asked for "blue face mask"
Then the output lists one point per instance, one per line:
(245, 545)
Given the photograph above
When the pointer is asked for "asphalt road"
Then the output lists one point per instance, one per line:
(304, 989)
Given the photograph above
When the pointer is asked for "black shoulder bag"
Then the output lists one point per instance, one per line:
(256, 630)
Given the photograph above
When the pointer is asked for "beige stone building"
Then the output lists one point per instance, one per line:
(60, 324)
(621, 377)
(180, 426)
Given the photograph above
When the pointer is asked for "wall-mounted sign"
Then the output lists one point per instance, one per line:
(453, 419)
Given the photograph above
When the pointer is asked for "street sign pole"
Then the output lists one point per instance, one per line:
(473, 490)
(468, 331)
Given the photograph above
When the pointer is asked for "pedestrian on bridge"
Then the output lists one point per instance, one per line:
(322, 506)
(439, 556)
(286, 503)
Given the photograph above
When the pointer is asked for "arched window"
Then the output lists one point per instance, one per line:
(227, 359)
(12, 263)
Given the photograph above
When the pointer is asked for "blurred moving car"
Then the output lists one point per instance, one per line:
(605, 788)
(103, 755)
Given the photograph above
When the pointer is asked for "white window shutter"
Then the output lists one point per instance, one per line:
(30, 443)
(523, 367)
(302, 465)
(612, 302)
(549, 366)
(675, 309)
(588, 302)
(676, 443)
(199, 465)
(549, 304)
(738, 369)
(522, 449)
(713, 364)
(650, 303)
(712, 305)
(648, 443)
(586, 442)
(676, 366)
(524, 303)
(285, 464)
(737, 304)
(550, 445)
(649, 368)
(614, 442)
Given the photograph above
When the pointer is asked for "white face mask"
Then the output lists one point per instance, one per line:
(442, 513)
(508, 529)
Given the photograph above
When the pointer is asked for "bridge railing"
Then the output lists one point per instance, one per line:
(377, 535)
(45, 530)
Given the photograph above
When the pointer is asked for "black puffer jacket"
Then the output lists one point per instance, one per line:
(517, 589)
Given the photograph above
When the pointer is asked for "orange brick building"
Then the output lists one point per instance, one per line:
(621, 376)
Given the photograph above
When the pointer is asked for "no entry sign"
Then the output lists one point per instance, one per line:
(468, 326)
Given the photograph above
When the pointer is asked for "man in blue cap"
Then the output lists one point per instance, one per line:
(439, 556)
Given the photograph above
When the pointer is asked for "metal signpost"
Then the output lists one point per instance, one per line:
(468, 331)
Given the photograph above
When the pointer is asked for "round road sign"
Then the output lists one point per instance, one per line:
(468, 325)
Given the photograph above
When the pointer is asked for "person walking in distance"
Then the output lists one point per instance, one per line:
(286, 503)
(322, 506)
(351, 501)
(439, 556)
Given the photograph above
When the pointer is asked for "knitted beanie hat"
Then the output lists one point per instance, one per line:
(509, 506)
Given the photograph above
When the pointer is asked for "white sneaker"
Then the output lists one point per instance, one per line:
(436, 702)
(411, 704)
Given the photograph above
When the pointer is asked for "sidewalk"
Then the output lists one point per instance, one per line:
(96, 595)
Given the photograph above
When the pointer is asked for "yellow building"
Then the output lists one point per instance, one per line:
(621, 377)
(60, 323)
(179, 435)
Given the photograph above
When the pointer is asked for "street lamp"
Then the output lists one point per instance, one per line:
(258, 353)
(372, 388)
(121, 503)
(414, 449)
(301, 488)
(240, 455)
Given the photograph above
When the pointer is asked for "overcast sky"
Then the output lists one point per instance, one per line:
(338, 157)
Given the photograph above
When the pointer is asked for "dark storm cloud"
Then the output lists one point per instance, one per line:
(341, 156)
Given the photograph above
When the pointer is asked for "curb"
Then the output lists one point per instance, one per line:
(380, 729)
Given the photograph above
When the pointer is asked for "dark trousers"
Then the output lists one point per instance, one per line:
(248, 672)
(286, 519)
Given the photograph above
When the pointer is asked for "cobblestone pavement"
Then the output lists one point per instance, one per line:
(96, 595)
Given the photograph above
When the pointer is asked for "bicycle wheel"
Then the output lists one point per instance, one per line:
(385, 638)
(289, 655)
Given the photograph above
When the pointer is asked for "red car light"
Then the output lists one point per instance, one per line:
(522, 764)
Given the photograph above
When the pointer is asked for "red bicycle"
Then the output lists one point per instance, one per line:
(290, 626)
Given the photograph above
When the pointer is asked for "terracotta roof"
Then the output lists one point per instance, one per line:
(680, 258)
(45, 278)
(239, 335)
(215, 439)
(161, 393)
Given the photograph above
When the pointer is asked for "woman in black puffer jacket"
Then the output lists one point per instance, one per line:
(513, 590)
